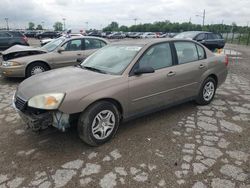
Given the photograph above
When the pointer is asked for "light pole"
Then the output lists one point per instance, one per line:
(7, 23)
(203, 17)
(64, 23)
(43, 25)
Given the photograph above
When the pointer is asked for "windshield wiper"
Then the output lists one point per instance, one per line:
(94, 69)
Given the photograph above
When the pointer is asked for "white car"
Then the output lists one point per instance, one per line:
(47, 40)
(148, 35)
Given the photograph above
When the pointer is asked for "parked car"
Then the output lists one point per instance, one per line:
(148, 35)
(95, 34)
(19, 61)
(208, 39)
(11, 38)
(117, 35)
(136, 35)
(164, 35)
(119, 82)
(47, 34)
(30, 34)
(47, 40)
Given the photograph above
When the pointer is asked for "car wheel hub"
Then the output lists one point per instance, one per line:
(208, 91)
(103, 124)
(37, 70)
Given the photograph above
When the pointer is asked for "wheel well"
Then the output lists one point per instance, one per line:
(36, 62)
(214, 77)
(113, 101)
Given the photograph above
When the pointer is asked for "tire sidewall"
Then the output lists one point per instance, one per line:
(201, 99)
(87, 118)
(31, 66)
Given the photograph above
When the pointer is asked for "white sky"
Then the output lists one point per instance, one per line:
(99, 13)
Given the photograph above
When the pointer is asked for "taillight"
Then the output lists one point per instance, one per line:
(226, 60)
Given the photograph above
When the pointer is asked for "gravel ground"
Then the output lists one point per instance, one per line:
(184, 146)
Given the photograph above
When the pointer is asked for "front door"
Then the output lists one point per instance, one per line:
(152, 90)
(72, 50)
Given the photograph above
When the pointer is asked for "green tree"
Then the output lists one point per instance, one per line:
(123, 28)
(39, 27)
(58, 26)
(31, 26)
(114, 26)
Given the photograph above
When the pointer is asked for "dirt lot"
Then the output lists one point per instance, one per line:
(184, 146)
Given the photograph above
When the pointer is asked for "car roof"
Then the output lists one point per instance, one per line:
(83, 37)
(144, 42)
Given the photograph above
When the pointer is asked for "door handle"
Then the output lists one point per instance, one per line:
(201, 66)
(78, 54)
(171, 73)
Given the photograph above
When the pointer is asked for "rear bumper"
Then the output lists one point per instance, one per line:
(222, 76)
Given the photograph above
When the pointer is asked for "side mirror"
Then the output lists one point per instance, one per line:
(60, 50)
(144, 70)
(79, 60)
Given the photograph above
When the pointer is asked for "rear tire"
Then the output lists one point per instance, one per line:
(36, 68)
(98, 123)
(207, 91)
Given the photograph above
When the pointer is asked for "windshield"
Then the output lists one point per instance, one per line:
(186, 35)
(112, 59)
(53, 44)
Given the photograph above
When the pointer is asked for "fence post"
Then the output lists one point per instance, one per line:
(248, 38)
(239, 39)
(232, 39)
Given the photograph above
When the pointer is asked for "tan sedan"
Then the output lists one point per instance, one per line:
(119, 82)
(23, 61)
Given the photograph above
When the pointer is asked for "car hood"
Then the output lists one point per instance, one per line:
(64, 80)
(21, 48)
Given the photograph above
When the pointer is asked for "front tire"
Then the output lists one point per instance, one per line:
(99, 123)
(36, 68)
(207, 91)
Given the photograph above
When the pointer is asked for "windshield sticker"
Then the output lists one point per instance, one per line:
(133, 48)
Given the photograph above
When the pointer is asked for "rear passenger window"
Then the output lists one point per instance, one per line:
(210, 36)
(158, 57)
(217, 36)
(93, 44)
(201, 52)
(186, 52)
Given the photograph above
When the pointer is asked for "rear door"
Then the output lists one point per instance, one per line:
(73, 50)
(191, 65)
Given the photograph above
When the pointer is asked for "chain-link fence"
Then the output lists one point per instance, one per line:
(237, 38)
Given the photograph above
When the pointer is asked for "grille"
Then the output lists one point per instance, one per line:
(20, 103)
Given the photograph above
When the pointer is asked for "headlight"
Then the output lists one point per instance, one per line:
(10, 63)
(46, 101)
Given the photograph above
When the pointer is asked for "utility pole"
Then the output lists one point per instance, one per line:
(64, 23)
(7, 23)
(203, 18)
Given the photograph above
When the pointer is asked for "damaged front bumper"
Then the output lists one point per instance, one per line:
(39, 120)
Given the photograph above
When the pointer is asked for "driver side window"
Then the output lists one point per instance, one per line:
(158, 57)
